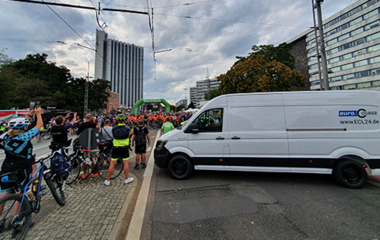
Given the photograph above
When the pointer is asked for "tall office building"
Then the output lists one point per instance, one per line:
(352, 40)
(122, 64)
(197, 94)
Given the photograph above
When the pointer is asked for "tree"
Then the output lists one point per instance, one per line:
(34, 78)
(213, 93)
(191, 105)
(281, 53)
(257, 74)
(97, 94)
(4, 59)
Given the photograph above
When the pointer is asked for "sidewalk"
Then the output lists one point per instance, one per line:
(92, 211)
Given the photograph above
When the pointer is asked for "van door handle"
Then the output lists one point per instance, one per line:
(219, 138)
(235, 137)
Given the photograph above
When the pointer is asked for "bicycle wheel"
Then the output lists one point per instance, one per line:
(74, 174)
(10, 225)
(56, 186)
(102, 167)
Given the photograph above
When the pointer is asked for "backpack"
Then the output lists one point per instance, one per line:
(140, 136)
(59, 165)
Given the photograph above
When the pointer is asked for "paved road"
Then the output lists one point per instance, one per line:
(232, 205)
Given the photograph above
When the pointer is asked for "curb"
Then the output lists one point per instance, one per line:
(122, 222)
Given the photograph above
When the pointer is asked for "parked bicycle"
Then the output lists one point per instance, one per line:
(18, 208)
(99, 164)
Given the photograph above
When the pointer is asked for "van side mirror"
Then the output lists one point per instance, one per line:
(192, 128)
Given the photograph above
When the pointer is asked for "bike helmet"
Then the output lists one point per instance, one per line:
(18, 123)
(121, 117)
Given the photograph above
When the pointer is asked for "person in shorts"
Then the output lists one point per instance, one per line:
(18, 152)
(106, 138)
(120, 149)
(140, 137)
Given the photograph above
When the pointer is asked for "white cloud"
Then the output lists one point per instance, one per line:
(216, 32)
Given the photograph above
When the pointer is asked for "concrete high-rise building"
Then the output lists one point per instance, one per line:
(122, 64)
(352, 40)
(197, 94)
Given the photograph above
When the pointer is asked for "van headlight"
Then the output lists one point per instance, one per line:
(161, 144)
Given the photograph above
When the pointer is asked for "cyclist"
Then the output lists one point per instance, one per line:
(18, 152)
(88, 123)
(106, 138)
(59, 131)
(3, 127)
(121, 134)
(167, 126)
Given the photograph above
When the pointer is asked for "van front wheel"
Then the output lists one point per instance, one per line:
(351, 174)
(180, 167)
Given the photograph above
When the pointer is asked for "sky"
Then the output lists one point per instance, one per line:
(206, 44)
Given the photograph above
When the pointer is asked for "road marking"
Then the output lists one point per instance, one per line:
(134, 229)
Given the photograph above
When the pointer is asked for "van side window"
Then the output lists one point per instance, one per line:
(210, 120)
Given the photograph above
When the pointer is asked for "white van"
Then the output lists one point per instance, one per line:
(327, 132)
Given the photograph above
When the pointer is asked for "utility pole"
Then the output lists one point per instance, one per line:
(317, 5)
(209, 87)
(317, 48)
(86, 92)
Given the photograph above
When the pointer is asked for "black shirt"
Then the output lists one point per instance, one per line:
(86, 125)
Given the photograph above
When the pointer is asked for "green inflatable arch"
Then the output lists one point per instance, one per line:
(141, 101)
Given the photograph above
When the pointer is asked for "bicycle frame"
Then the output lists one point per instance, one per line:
(41, 172)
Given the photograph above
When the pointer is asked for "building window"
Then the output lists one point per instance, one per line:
(361, 63)
(371, 25)
(376, 83)
(347, 66)
(336, 79)
(375, 72)
(349, 87)
(359, 52)
(364, 85)
(373, 36)
(363, 74)
(370, 14)
(348, 76)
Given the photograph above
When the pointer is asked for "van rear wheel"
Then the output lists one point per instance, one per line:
(180, 167)
(350, 174)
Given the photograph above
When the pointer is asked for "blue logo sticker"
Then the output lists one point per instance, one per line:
(348, 113)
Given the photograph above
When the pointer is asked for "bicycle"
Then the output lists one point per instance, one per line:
(25, 203)
(45, 135)
(99, 165)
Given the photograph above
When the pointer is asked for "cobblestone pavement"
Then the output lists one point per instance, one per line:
(90, 212)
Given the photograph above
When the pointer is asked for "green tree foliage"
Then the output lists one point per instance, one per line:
(257, 74)
(4, 59)
(213, 93)
(34, 78)
(191, 105)
(281, 53)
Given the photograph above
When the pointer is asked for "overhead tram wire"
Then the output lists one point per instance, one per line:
(222, 20)
(97, 12)
(91, 48)
(68, 24)
(188, 4)
(103, 20)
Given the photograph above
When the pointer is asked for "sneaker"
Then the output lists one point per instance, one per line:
(107, 183)
(95, 174)
(84, 175)
(136, 166)
(143, 165)
(129, 180)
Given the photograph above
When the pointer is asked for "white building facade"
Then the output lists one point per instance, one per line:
(352, 40)
(197, 94)
(122, 64)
